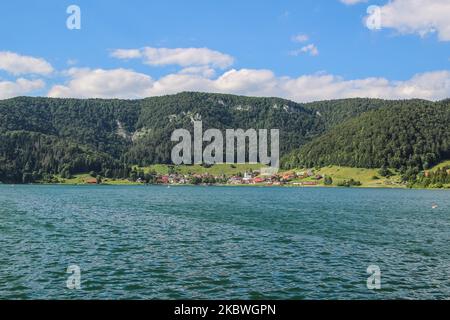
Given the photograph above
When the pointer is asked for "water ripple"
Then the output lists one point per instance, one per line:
(222, 242)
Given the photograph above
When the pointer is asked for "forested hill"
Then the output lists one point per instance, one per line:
(40, 137)
(407, 135)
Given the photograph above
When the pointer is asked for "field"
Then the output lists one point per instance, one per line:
(84, 178)
(367, 177)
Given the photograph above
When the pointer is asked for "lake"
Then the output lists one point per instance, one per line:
(154, 242)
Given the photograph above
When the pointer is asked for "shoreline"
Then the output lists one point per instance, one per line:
(221, 185)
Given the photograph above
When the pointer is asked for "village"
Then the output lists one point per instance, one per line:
(253, 177)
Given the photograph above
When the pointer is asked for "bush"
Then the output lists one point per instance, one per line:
(349, 183)
(196, 180)
(384, 172)
(328, 181)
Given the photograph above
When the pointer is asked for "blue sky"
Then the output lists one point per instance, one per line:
(344, 58)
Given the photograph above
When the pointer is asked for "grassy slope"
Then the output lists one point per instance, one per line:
(441, 165)
(82, 178)
(365, 176)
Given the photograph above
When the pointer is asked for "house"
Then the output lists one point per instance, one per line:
(248, 178)
(258, 180)
(235, 180)
(247, 175)
(305, 174)
(164, 179)
(174, 178)
(91, 181)
(288, 176)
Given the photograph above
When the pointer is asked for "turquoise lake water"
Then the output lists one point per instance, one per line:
(223, 242)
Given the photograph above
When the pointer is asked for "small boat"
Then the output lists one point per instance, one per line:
(434, 206)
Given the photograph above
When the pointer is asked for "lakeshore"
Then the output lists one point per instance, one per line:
(253, 175)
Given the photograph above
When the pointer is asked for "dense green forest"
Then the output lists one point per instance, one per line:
(407, 135)
(160, 116)
(41, 137)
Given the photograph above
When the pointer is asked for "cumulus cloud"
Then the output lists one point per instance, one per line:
(99, 83)
(416, 16)
(19, 87)
(204, 71)
(17, 64)
(431, 86)
(185, 57)
(123, 83)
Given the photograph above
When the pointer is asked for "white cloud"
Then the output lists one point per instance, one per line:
(122, 83)
(247, 82)
(21, 86)
(184, 57)
(18, 64)
(299, 38)
(352, 2)
(417, 16)
(310, 49)
(431, 86)
(204, 71)
(126, 53)
(99, 83)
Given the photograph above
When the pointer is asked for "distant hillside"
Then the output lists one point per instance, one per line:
(334, 112)
(403, 135)
(40, 137)
(43, 136)
(160, 116)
